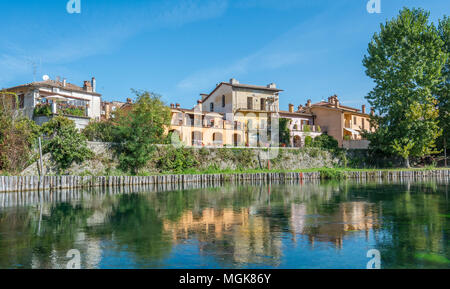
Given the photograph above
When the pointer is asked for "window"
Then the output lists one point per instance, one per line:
(223, 100)
(354, 120)
(21, 100)
(211, 107)
(249, 103)
(263, 104)
(363, 124)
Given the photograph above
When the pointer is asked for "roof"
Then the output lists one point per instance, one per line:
(330, 105)
(192, 111)
(295, 113)
(58, 84)
(239, 85)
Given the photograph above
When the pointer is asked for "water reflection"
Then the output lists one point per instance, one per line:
(230, 226)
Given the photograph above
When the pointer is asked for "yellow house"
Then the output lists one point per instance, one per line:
(233, 114)
(344, 123)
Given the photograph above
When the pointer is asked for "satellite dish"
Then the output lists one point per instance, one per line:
(45, 77)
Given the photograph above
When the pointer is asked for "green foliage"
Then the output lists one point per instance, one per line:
(332, 174)
(65, 143)
(99, 131)
(75, 111)
(139, 129)
(284, 132)
(42, 110)
(177, 160)
(405, 60)
(18, 135)
(443, 89)
(308, 141)
(306, 128)
(327, 142)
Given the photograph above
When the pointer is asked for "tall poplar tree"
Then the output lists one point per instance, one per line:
(405, 60)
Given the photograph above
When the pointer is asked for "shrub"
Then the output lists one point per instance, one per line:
(99, 131)
(308, 141)
(327, 142)
(17, 135)
(177, 160)
(65, 143)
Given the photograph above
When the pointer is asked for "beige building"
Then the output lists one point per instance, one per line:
(233, 114)
(344, 123)
(301, 125)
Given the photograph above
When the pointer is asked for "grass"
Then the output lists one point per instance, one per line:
(328, 173)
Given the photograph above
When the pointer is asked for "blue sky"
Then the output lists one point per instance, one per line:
(311, 49)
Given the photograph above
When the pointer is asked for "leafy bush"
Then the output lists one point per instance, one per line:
(332, 174)
(17, 135)
(327, 142)
(65, 143)
(308, 141)
(99, 131)
(42, 109)
(177, 160)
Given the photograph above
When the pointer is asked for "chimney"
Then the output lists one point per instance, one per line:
(308, 103)
(177, 105)
(234, 81)
(64, 82)
(199, 105)
(300, 107)
(272, 85)
(363, 108)
(87, 86)
(129, 101)
(94, 84)
(291, 107)
(172, 105)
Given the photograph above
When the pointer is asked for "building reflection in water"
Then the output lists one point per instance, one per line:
(348, 217)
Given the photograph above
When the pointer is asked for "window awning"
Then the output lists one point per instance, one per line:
(352, 131)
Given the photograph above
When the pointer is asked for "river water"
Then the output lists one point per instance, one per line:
(252, 225)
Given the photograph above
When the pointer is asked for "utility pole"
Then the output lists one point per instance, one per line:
(41, 166)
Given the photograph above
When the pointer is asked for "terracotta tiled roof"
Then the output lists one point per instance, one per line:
(330, 105)
(295, 113)
(58, 84)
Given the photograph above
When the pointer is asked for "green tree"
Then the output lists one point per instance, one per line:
(139, 129)
(99, 131)
(443, 91)
(18, 135)
(284, 132)
(405, 60)
(64, 142)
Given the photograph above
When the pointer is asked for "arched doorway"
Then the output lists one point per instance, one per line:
(236, 139)
(217, 139)
(197, 138)
(174, 136)
(297, 141)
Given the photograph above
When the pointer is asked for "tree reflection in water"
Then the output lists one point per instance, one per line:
(235, 225)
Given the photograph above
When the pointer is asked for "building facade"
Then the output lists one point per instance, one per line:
(233, 114)
(346, 124)
(301, 125)
(43, 100)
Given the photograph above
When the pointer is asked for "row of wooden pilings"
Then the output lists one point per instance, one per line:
(32, 183)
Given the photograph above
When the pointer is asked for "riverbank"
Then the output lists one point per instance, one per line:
(33, 183)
